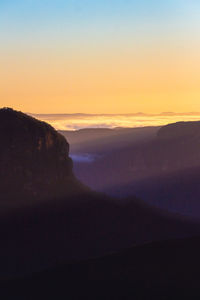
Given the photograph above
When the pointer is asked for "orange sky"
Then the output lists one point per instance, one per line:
(111, 83)
(103, 72)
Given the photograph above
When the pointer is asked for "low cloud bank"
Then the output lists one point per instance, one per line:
(79, 121)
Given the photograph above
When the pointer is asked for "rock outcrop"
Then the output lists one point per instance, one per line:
(34, 157)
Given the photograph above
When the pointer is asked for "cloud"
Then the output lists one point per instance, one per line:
(79, 121)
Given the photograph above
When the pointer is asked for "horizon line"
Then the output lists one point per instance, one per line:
(118, 114)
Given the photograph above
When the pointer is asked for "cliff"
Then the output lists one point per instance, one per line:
(34, 157)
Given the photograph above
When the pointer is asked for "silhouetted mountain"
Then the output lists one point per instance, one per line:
(162, 169)
(67, 221)
(34, 158)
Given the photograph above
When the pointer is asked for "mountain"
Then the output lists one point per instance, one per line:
(34, 158)
(176, 191)
(155, 168)
(57, 219)
(180, 131)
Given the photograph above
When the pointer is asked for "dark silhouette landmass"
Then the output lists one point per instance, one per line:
(34, 159)
(164, 270)
(67, 224)
(172, 263)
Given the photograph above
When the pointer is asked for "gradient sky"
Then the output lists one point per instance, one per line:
(108, 56)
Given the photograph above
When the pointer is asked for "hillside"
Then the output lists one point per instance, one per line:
(155, 169)
(164, 270)
(105, 140)
(166, 264)
(59, 220)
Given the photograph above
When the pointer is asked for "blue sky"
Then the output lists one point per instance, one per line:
(34, 16)
(80, 46)
(47, 20)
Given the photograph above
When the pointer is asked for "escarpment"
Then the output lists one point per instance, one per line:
(34, 157)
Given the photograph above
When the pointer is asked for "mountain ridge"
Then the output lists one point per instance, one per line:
(73, 222)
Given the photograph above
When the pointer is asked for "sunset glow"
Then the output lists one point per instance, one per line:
(100, 56)
(76, 122)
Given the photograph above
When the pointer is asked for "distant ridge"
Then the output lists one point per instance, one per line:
(117, 114)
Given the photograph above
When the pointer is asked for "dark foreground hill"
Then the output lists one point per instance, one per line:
(172, 263)
(41, 236)
(161, 270)
(57, 219)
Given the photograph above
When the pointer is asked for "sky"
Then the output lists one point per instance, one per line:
(108, 56)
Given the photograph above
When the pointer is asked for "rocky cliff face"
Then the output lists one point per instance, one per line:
(34, 157)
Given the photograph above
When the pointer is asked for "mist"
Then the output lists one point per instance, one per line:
(81, 121)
